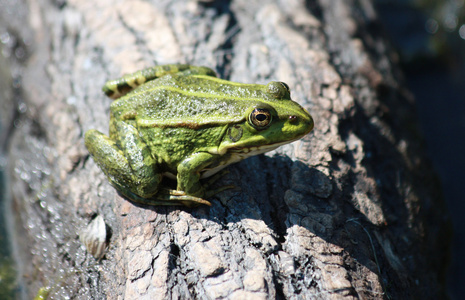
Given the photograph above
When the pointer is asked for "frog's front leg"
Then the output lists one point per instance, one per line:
(188, 177)
(129, 166)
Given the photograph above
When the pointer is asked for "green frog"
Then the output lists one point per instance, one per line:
(182, 122)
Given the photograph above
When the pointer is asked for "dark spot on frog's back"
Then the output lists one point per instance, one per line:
(130, 115)
(167, 68)
(120, 90)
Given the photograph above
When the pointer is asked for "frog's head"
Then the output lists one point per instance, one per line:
(267, 124)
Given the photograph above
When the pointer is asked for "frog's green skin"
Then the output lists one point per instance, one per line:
(183, 122)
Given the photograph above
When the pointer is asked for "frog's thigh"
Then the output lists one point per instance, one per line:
(189, 173)
(108, 156)
(119, 170)
(142, 164)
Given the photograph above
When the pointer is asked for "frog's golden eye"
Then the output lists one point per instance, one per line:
(260, 118)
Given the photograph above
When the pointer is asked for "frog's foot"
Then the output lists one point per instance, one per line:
(175, 197)
(166, 197)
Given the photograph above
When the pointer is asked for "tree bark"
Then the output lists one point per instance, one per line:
(352, 210)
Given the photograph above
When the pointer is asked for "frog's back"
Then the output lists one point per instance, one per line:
(175, 100)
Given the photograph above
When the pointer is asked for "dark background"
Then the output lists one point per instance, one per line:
(430, 38)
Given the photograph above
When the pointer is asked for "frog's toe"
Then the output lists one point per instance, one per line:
(194, 202)
(180, 197)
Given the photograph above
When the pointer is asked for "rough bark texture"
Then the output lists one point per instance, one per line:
(350, 211)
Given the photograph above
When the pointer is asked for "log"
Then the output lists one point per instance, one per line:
(352, 210)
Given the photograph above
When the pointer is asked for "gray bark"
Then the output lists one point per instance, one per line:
(350, 211)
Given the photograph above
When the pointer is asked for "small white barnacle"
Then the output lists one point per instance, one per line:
(94, 237)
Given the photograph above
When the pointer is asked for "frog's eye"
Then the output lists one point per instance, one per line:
(260, 118)
(278, 89)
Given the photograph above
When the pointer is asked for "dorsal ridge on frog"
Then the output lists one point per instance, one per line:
(182, 121)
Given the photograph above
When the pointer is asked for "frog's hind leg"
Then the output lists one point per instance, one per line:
(131, 171)
(121, 86)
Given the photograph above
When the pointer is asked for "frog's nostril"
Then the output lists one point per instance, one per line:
(292, 119)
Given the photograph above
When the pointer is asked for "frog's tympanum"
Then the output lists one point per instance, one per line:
(182, 122)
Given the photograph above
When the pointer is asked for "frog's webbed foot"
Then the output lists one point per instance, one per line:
(166, 196)
(181, 197)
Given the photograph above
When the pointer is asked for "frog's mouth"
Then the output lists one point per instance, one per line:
(236, 154)
(255, 150)
(250, 151)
